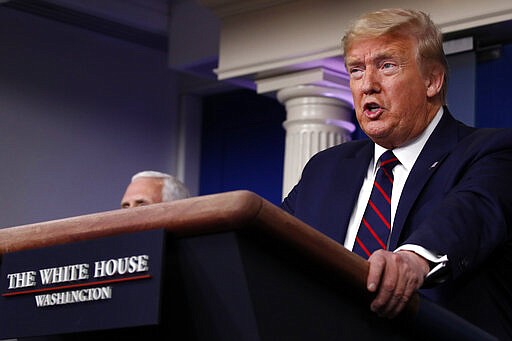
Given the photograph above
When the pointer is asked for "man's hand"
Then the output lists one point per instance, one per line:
(394, 277)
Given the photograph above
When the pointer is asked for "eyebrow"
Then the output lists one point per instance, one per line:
(388, 54)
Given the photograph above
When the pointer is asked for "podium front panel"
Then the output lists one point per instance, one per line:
(100, 284)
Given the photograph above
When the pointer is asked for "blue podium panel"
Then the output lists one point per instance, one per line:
(99, 284)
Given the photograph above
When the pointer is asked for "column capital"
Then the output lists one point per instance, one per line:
(331, 75)
(340, 92)
(313, 104)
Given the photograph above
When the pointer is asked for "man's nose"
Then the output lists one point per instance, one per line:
(370, 82)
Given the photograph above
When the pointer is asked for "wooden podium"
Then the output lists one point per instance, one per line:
(237, 267)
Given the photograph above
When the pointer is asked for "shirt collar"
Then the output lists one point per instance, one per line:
(408, 153)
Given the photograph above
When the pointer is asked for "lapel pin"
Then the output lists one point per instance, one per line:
(434, 165)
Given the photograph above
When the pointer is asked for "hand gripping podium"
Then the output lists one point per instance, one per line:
(228, 266)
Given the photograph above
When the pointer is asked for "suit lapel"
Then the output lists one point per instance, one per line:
(438, 146)
(347, 187)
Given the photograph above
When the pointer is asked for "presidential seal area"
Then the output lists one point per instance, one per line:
(74, 296)
(121, 266)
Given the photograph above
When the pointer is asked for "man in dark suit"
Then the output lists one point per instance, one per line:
(450, 215)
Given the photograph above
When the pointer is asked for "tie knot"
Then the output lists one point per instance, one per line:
(388, 160)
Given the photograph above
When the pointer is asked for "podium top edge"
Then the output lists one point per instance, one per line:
(189, 216)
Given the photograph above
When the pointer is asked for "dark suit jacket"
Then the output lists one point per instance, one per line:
(457, 201)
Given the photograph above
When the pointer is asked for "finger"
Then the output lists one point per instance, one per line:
(399, 306)
(386, 289)
(410, 279)
(401, 284)
(399, 300)
(403, 298)
(385, 299)
(376, 269)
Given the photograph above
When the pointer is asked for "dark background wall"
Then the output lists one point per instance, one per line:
(493, 89)
(80, 112)
(243, 144)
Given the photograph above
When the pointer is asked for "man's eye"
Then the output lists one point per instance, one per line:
(387, 66)
(141, 202)
(356, 73)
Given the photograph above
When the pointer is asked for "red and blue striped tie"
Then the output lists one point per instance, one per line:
(376, 223)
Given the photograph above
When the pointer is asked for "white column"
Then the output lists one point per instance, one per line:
(318, 117)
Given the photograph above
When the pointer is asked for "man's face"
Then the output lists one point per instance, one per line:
(141, 192)
(392, 98)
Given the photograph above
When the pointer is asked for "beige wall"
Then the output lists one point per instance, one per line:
(270, 37)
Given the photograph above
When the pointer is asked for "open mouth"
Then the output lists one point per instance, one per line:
(372, 110)
(372, 107)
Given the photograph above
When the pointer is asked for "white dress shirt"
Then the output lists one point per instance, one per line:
(407, 156)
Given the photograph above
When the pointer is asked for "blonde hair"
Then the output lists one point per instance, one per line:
(403, 22)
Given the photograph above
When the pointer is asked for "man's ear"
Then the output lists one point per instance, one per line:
(434, 80)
